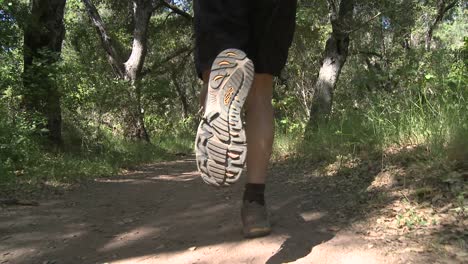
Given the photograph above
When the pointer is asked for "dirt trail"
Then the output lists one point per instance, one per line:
(163, 213)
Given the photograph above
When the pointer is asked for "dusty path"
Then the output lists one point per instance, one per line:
(163, 213)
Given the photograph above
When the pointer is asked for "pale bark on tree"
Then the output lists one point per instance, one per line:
(443, 6)
(129, 69)
(334, 57)
(43, 39)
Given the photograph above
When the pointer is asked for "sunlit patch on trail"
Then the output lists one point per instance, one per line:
(313, 215)
(114, 180)
(180, 177)
(246, 251)
(130, 237)
(183, 177)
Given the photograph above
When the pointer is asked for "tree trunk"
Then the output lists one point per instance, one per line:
(133, 114)
(335, 54)
(129, 70)
(107, 42)
(43, 39)
(443, 6)
(142, 11)
(334, 59)
(182, 95)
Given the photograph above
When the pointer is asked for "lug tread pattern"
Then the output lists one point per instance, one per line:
(221, 145)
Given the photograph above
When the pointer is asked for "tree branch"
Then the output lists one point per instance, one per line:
(370, 53)
(450, 6)
(343, 22)
(441, 11)
(174, 55)
(333, 12)
(177, 10)
(113, 56)
(365, 23)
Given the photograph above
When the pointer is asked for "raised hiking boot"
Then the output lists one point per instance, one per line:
(255, 220)
(220, 144)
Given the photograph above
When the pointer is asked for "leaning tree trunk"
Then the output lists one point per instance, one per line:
(334, 57)
(129, 70)
(43, 39)
(182, 95)
(443, 6)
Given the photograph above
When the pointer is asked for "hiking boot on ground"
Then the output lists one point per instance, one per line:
(255, 219)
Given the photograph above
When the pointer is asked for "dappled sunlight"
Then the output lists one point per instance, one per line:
(181, 170)
(187, 176)
(342, 162)
(287, 201)
(384, 179)
(183, 177)
(131, 218)
(25, 245)
(131, 237)
(312, 216)
(16, 253)
(116, 180)
(204, 210)
(126, 217)
(161, 217)
(246, 251)
(348, 249)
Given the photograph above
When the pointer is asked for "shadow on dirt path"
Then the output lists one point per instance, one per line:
(163, 213)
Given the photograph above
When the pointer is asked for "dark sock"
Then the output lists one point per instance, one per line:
(254, 192)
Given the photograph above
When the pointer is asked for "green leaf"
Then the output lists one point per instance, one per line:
(429, 76)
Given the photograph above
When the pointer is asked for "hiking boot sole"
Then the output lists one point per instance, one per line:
(221, 145)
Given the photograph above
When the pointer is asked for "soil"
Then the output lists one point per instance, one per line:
(164, 213)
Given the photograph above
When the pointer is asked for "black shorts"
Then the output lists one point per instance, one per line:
(262, 28)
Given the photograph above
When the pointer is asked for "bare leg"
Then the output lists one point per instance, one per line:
(204, 91)
(259, 128)
(259, 133)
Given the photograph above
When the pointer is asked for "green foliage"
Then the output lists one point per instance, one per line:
(450, 34)
(421, 98)
(391, 90)
(432, 111)
(412, 219)
(15, 146)
(23, 161)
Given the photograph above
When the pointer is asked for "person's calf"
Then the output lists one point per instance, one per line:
(204, 91)
(259, 128)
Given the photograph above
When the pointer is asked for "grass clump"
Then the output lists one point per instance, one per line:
(431, 111)
(85, 154)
